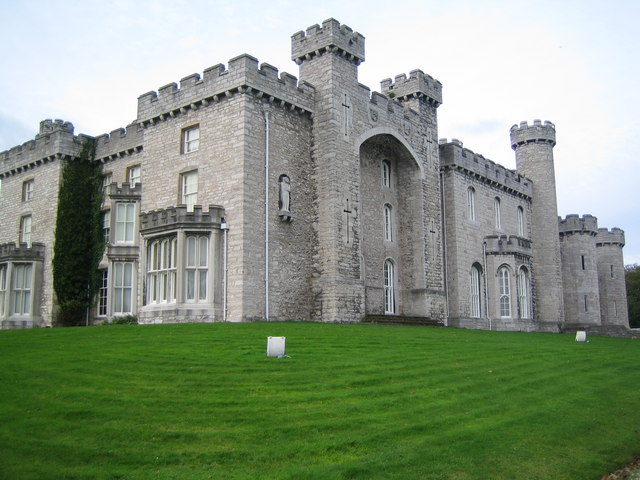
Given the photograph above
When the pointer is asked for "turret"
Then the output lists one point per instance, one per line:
(580, 270)
(613, 291)
(533, 145)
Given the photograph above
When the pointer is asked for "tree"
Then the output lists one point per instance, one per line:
(79, 242)
(632, 279)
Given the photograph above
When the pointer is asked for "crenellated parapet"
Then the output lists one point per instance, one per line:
(507, 245)
(179, 217)
(574, 224)
(22, 252)
(536, 133)
(453, 156)
(613, 237)
(119, 143)
(124, 191)
(418, 85)
(55, 141)
(331, 37)
(244, 76)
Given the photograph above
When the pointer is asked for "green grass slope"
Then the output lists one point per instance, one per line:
(351, 402)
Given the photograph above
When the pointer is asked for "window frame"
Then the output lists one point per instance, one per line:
(4, 270)
(162, 270)
(103, 294)
(389, 280)
(475, 290)
(134, 172)
(388, 222)
(521, 222)
(121, 291)
(190, 145)
(524, 287)
(196, 268)
(471, 204)
(126, 227)
(27, 190)
(497, 213)
(21, 295)
(26, 228)
(504, 291)
(386, 173)
(189, 198)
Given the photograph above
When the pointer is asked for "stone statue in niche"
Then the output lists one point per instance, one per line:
(284, 202)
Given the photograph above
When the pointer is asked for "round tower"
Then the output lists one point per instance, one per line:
(533, 145)
(580, 270)
(613, 289)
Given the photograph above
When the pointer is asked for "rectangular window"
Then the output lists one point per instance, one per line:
(191, 139)
(134, 175)
(125, 222)
(25, 229)
(122, 287)
(103, 293)
(107, 179)
(27, 191)
(161, 271)
(520, 214)
(21, 289)
(189, 189)
(471, 204)
(196, 271)
(496, 211)
(3, 288)
(106, 225)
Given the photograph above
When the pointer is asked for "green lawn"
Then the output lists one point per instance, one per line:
(352, 401)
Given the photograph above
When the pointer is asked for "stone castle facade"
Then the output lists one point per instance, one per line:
(244, 194)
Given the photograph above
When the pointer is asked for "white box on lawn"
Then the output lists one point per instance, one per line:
(275, 346)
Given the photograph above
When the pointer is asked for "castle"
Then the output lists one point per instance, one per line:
(244, 194)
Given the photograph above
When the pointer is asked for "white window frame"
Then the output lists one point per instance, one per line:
(106, 226)
(161, 270)
(471, 204)
(505, 292)
(22, 275)
(4, 268)
(134, 174)
(475, 289)
(107, 179)
(389, 277)
(103, 294)
(125, 222)
(122, 288)
(189, 189)
(26, 222)
(191, 139)
(196, 271)
(523, 292)
(388, 222)
(27, 190)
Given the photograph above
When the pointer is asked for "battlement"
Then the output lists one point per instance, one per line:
(331, 37)
(9, 251)
(119, 142)
(418, 85)
(508, 245)
(575, 224)
(177, 217)
(454, 156)
(536, 133)
(55, 140)
(243, 77)
(124, 191)
(614, 237)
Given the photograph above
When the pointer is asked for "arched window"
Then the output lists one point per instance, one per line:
(496, 211)
(505, 292)
(471, 203)
(388, 223)
(386, 173)
(475, 291)
(523, 292)
(389, 287)
(520, 216)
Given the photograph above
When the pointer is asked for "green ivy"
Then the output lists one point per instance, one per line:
(79, 243)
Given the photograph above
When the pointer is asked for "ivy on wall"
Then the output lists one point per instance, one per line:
(79, 242)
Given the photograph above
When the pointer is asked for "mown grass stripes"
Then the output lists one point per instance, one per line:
(353, 401)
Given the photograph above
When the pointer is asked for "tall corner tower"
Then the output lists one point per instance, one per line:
(328, 57)
(533, 145)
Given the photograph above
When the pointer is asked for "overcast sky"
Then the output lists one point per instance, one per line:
(574, 63)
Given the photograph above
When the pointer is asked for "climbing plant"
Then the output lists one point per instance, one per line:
(79, 242)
